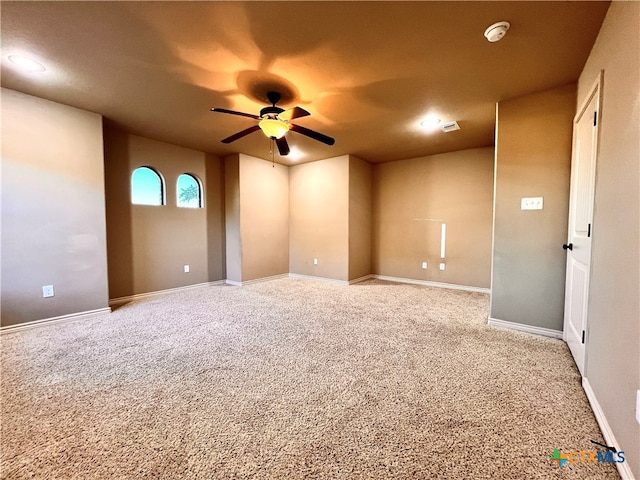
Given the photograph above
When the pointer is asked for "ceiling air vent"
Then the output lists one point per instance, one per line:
(449, 126)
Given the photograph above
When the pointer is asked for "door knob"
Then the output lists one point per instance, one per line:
(568, 246)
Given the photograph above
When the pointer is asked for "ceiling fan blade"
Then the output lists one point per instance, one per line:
(313, 134)
(241, 134)
(233, 112)
(295, 112)
(283, 146)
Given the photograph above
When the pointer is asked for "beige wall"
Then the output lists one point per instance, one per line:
(533, 159)
(215, 205)
(257, 216)
(413, 198)
(319, 220)
(330, 205)
(148, 246)
(233, 243)
(613, 330)
(360, 217)
(53, 221)
(264, 218)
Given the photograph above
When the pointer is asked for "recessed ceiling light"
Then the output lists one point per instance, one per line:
(27, 64)
(430, 123)
(295, 154)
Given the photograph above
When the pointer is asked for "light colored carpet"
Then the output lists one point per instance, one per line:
(289, 379)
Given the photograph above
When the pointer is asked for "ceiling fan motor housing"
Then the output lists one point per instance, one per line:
(271, 112)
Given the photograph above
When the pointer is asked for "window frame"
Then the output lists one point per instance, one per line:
(163, 188)
(200, 186)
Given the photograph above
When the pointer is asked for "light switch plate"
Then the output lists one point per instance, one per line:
(531, 203)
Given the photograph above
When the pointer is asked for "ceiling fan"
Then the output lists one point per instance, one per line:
(274, 123)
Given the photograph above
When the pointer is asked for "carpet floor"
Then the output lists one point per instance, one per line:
(292, 378)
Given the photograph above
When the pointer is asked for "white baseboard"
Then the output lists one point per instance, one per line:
(49, 321)
(368, 277)
(623, 468)
(141, 296)
(361, 279)
(451, 286)
(521, 327)
(333, 280)
(320, 279)
(255, 280)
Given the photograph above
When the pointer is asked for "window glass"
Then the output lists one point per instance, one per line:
(146, 187)
(189, 191)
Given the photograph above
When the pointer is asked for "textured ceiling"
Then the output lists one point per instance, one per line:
(366, 71)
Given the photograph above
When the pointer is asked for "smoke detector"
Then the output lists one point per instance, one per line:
(496, 31)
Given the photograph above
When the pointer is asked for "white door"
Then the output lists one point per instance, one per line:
(578, 246)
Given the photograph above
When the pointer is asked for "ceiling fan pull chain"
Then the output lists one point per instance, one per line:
(271, 142)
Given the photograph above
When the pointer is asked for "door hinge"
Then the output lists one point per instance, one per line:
(589, 230)
(583, 334)
(595, 118)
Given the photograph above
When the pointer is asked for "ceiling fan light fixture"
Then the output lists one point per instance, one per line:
(273, 127)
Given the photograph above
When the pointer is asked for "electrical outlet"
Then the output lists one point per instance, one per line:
(47, 291)
(315, 261)
(424, 265)
(186, 269)
(442, 266)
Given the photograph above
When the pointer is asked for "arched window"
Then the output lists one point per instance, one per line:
(147, 187)
(189, 191)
